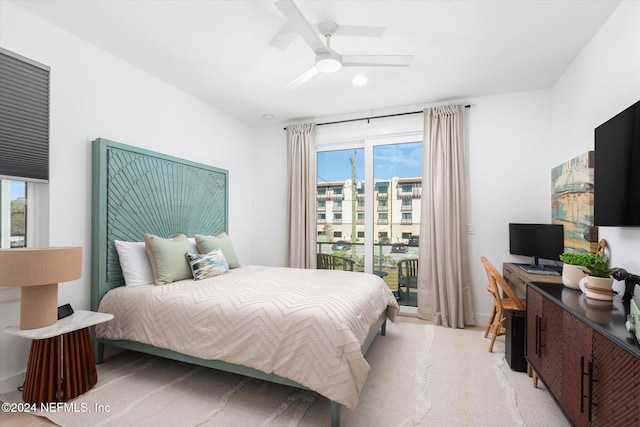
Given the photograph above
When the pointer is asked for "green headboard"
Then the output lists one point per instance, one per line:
(137, 191)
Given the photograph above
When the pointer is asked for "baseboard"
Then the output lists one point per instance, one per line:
(12, 382)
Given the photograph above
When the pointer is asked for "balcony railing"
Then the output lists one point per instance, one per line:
(414, 193)
(385, 258)
(406, 208)
(329, 195)
(382, 196)
(406, 221)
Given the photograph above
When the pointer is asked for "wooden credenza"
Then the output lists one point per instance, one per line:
(583, 353)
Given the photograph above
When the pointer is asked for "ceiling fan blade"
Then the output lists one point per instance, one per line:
(359, 31)
(376, 60)
(286, 35)
(303, 78)
(283, 39)
(299, 23)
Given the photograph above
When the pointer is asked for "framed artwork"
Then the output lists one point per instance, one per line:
(572, 202)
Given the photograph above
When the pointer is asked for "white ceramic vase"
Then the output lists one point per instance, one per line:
(599, 288)
(571, 275)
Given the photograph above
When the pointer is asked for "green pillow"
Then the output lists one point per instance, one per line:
(167, 257)
(207, 244)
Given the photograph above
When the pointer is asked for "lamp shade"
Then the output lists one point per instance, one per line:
(38, 271)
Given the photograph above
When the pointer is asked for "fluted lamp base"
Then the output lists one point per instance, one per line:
(38, 271)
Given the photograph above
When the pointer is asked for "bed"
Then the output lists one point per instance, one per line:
(303, 328)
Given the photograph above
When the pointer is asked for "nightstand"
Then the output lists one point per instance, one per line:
(61, 363)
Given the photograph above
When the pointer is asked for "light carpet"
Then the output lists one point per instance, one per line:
(421, 376)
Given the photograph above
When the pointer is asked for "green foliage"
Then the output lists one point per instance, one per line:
(598, 267)
(583, 259)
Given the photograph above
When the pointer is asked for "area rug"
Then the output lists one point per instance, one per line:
(421, 376)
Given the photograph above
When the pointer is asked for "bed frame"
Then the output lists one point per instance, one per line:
(128, 184)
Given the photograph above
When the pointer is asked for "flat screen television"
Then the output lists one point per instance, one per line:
(544, 241)
(616, 183)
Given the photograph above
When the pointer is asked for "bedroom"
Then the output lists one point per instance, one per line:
(87, 102)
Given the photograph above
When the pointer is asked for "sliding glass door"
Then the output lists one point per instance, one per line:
(340, 205)
(368, 205)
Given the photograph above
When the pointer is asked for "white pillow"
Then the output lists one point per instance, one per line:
(134, 262)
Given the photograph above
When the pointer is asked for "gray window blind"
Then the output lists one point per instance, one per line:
(24, 118)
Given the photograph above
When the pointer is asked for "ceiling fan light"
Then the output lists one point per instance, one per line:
(328, 62)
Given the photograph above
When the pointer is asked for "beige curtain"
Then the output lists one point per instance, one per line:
(301, 201)
(444, 291)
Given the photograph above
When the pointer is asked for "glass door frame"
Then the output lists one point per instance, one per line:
(368, 143)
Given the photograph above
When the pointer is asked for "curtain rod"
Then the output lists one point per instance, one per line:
(374, 117)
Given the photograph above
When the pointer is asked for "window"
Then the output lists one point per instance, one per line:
(13, 216)
(24, 151)
(372, 188)
(407, 218)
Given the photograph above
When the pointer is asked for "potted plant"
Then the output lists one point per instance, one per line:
(597, 284)
(575, 267)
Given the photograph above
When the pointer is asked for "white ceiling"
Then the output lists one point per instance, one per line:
(219, 51)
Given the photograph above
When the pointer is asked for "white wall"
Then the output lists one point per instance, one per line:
(513, 142)
(602, 81)
(94, 94)
(509, 175)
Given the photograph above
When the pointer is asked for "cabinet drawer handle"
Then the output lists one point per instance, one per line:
(591, 381)
(540, 342)
(537, 346)
(582, 375)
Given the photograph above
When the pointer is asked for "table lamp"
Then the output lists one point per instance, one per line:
(37, 271)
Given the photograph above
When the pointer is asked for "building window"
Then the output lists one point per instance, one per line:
(407, 218)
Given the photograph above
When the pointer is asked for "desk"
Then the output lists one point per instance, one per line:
(517, 278)
(515, 322)
(61, 363)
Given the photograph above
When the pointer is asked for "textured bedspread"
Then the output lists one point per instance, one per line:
(304, 325)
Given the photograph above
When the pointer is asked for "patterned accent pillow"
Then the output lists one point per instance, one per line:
(208, 265)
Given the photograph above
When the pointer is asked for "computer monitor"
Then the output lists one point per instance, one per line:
(544, 241)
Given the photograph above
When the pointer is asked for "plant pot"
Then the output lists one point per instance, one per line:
(597, 288)
(571, 275)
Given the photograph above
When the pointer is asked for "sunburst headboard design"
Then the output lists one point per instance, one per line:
(137, 191)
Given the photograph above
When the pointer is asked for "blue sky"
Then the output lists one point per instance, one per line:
(401, 160)
(17, 190)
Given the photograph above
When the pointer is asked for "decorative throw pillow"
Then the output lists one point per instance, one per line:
(208, 265)
(167, 258)
(207, 244)
(134, 263)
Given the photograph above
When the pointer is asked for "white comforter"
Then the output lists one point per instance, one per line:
(305, 325)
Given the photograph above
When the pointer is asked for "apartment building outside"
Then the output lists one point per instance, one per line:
(340, 210)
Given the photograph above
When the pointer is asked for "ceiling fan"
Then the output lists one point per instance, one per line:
(327, 59)
(287, 34)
